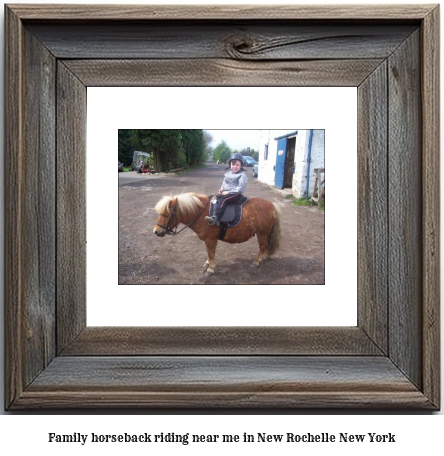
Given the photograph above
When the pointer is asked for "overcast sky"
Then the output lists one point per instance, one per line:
(236, 139)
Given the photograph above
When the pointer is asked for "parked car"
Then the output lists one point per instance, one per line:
(255, 169)
(249, 161)
(120, 167)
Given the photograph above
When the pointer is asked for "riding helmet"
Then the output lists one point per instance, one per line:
(236, 156)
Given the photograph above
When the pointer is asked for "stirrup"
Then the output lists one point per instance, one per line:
(210, 220)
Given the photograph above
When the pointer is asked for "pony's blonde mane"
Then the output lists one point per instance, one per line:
(162, 207)
(187, 203)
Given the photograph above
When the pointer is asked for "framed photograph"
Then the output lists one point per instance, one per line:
(390, 359)
(202, 298)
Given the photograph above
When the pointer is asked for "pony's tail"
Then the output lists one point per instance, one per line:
(274, 237)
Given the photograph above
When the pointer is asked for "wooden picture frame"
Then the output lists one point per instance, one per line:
(390, 360)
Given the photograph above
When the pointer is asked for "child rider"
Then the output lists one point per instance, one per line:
(233, 185)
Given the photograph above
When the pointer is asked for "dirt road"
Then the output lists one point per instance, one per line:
(146, 259)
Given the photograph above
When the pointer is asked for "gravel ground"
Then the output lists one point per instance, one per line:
(146, 259)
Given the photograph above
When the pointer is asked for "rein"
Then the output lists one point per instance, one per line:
(169, 230)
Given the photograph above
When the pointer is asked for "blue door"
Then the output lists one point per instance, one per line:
(279, 174)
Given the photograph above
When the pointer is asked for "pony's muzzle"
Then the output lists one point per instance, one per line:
(158, 232)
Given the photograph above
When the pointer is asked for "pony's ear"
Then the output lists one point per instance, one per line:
(173, 202)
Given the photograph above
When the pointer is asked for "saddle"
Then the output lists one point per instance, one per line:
(232, 216)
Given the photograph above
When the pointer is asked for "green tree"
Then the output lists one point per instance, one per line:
(208, 139)
(164, 145)
(168, 148)
(221, 152)
(193, 144)
(126, 147)
(250, 152)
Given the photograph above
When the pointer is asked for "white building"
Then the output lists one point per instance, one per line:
(287, 157)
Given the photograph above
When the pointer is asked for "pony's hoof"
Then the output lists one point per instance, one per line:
(210, 271)
(255, 264)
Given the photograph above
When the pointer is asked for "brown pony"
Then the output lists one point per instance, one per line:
(260, 217)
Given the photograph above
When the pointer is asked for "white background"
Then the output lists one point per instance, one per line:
(332, 304)
(415, 433)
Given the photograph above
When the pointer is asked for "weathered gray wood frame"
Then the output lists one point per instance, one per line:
(390, 360)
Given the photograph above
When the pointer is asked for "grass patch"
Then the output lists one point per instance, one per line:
(303, 202)
(189, 168)
(308, 202)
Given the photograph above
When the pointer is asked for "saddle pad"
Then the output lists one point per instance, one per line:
(233, 213)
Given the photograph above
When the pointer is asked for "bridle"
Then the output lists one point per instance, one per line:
(173, 217)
